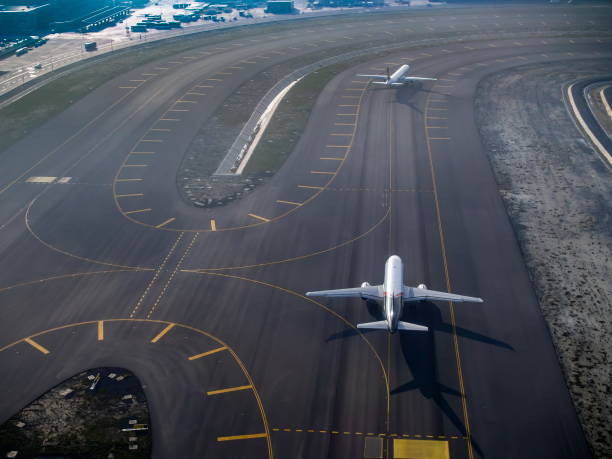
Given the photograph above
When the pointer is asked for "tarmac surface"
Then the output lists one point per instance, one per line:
(108, 267)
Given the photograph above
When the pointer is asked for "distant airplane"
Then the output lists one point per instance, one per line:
(393, 294)
(398, 78)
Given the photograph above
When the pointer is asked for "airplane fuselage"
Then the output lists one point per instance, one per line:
(393, 291)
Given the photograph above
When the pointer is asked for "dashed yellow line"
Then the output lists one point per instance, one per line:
(162, 224)
(204, 354)
(333, 159)
(322, 172)
(162, 333)
(311, 187)
(137, 211)
(289, 202)
(242, 437)
(264, 219)
(36, 346)
(229, 389)
(100, 330)
(131, 195)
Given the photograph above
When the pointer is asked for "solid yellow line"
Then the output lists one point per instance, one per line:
(203, 86)
(128, 180)
(346, 114)
(334, 159)
(311, 187)
(191, 93)
(161, 129)
(439, 138)
(37, 346)
(162, 333)
(135, 165)
(322, 172)
(341, 134)
(213, 225)
(260, 218)
(128, 87)
(242, 437)
(229, 389)
(100, 330)
(162, 224)
(169, 119)
(137, 211)
(289, 202)
(128, 195)
(436, 127)
(344, 124)
(151, 140)
(204, 354)
(142, 152)
(337, 146)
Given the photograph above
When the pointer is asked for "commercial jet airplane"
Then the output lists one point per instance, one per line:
(393, 294)
(398, 78)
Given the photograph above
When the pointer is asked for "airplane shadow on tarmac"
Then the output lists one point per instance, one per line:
(418, 349)
(407, 95)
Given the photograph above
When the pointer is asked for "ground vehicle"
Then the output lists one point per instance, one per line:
(21, 51)
(90, 46)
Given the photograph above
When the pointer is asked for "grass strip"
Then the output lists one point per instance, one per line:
(290, 120)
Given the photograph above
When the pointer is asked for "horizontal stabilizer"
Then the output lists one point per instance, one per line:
(407, 326)
(380, 325)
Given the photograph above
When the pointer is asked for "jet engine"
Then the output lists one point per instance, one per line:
(422, 286)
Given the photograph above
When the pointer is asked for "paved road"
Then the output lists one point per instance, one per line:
(112, 268)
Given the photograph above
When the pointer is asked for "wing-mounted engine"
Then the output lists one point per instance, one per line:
(422, 286)
(365, 285)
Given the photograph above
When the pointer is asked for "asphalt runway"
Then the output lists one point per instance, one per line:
(113, 268)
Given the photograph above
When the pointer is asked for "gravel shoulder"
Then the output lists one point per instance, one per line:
(557, 190)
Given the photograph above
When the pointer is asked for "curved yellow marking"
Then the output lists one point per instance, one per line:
(262, 412)
(322, 306)
(67, 276)
(63, 252)
(263, 222)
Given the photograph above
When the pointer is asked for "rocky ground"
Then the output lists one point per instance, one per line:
(86, 416)
(557, 193)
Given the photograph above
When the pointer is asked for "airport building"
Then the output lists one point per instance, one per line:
(280, 7)
(24, 19)
(32, 16)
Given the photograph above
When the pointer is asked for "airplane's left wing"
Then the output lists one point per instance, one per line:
(418, 294)
(371, 292)
(384, 77)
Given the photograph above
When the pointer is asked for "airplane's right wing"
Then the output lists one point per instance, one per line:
(384, 77)
(413, 78)
(371, 292)
(417, 294)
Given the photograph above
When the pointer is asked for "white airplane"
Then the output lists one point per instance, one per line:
(393, 294)
(398, 78)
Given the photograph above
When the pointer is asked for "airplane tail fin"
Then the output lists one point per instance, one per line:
(407, 326)
(380, 325)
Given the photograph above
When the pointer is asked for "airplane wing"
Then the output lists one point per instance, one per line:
(419, 79)
(372, 292)
(418, 294)
(384, 77)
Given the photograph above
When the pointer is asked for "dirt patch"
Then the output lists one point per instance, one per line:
(557, 191)
(101, 413)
